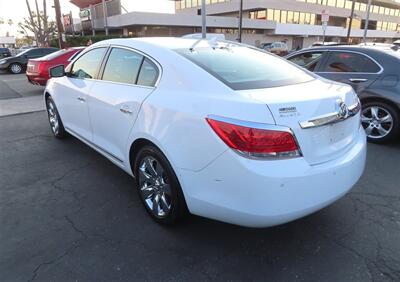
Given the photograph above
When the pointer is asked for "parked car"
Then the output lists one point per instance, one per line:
(326, 43)
(278, 48)
(17, 64)
(219, 129)
(37, 70)
(4, 53)
(374, 74)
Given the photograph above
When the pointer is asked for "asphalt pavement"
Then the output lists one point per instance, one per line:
(18, 96)
(17, 86)
(68, 214)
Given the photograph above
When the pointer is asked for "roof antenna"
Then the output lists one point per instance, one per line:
(191, 49)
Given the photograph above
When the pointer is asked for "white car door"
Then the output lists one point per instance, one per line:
(128, 78)
(74, 89)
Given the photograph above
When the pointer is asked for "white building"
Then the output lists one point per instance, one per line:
(297, 22)
(7, 41)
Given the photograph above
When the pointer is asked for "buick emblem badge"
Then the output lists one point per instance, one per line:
(343, 110)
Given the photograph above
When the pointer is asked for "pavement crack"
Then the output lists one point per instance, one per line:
(50, 262)
(69, 220)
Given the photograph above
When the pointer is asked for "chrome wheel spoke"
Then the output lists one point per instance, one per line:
(365, 119)
(386, 119)
(143, 175)
(156, 203)
(164, 205)
(369, 129)
(374, 112)
(149, 164)
(381, 130)
(147, 192)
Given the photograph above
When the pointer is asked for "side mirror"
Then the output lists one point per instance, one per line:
(57, 71)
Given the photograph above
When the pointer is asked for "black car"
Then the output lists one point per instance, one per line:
(374, 73)
(17, 64)
(4, 52)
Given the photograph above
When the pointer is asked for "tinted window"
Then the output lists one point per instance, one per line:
(87, 65)
(307, 60)
(122, 66)
(350, 62)
(148, 74)
(34, 53)
(245, 68)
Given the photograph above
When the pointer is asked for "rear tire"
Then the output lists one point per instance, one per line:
(158, 187)
(380, 121)
(55, 121)
(15, 68)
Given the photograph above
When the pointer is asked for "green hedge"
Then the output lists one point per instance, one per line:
(75, 41)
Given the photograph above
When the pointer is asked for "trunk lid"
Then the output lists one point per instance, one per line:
(295, 104)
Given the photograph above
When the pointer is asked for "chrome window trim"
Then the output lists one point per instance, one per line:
(83, 53)
(157, 64)
(359, 53)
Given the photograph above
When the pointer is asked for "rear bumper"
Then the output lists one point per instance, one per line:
(266, 193)
(37, 80)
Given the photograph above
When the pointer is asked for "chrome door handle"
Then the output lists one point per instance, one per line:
(125, 110)
(81, 99)
(357, 80)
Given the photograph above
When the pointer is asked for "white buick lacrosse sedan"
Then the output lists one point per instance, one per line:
(216, 129)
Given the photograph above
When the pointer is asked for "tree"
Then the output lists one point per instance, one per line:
(38, 24)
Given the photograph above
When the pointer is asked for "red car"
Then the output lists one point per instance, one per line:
(38, 69)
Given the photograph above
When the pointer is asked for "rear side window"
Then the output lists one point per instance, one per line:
(245, 68)
(350, 62)
(148, 73)
(122, 66)
(307, 60)
(88, 64)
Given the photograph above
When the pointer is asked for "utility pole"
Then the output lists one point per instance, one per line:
(105, 16)
(203, 19)
(59, 23)
(240, 20)
(350, 21)
(367, 21)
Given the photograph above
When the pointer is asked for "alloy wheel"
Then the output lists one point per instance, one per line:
(377, 122)
(154, 187)
(53, 117)
(15, 68)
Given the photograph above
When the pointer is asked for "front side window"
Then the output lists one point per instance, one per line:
(122, 66)
(307, 60)
(350, 62)
(88, 64)
(243, 68)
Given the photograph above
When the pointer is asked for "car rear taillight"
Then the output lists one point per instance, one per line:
(42, 68)
(256, 141)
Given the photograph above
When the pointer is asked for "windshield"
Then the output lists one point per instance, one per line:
(23, 52)
(243, 68)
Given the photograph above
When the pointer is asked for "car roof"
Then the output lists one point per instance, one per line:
(369, 50)
(160, 42)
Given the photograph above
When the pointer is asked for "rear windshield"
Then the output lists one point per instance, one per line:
(243, 68)
(58, 53)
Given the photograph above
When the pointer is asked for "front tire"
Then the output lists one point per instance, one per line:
(380, 122)
(158, 187)
(15, 68)
(55, 121)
